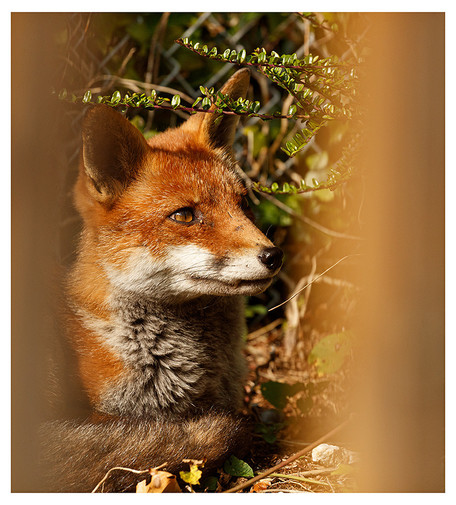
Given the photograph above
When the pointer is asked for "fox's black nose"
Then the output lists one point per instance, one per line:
(271, 257)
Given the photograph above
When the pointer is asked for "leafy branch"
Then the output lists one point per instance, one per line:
(323, 89)
(223, 103)
(259, 58)
(337, 175)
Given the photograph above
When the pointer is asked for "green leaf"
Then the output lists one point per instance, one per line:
(87, 97)
(206, 103)
(291, 146)
(254, 310)
(218, 119)
(273, 56)
(262, 56)
(292, 110)
(210, 483)
(197, 101)
(175, 102)
(237, 468)
(277, 393)
(330, 353)
(116, 97)
(269, 431)
(305, 404)
(192, 476)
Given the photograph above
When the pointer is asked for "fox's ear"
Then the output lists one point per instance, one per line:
(220, 133)
(112, 152)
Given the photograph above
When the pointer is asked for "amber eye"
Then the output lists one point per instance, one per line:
(183, 215)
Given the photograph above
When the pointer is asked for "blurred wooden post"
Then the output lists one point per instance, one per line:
(401, 382)
(35, 196)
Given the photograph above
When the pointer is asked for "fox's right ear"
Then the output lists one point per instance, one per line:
(219, 131)
(112, 152)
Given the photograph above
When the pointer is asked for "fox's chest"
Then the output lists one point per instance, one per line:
(179, 359)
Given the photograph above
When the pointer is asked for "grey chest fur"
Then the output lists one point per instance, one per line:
(176, 358)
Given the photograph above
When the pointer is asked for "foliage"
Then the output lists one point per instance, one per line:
(330, 353)
(237, 467)
(323, 90)
(277, 392)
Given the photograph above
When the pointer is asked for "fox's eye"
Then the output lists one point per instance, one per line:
(183, 215)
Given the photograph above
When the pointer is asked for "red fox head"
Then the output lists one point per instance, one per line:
(166, 217)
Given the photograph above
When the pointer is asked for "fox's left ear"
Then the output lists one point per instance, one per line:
(112, 152)
(221, 133)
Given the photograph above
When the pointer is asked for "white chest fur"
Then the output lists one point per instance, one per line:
(176, 358)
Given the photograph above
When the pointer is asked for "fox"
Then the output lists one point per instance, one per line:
(154, 309)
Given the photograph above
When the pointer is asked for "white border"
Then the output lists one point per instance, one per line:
(240, 6)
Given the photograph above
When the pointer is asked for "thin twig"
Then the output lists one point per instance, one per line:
(149, 470)
(296, 456)
(265, 329)
(312, 281)
(117, 468)
(299, 478)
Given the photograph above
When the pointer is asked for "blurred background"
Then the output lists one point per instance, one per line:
(363, 341)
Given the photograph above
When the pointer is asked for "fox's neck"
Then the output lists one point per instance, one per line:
(159, 356)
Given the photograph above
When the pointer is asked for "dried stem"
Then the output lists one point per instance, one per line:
(300, 478)
(103, 480)
(312, 281)
(296, 456)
